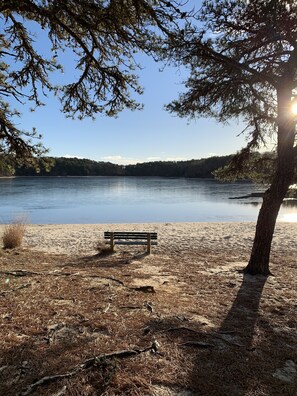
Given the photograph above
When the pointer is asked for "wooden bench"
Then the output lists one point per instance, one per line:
(132, 238)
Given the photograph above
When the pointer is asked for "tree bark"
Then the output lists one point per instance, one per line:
(259, 260)
(273, 197)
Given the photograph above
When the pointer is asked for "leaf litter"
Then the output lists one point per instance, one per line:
(164, 324)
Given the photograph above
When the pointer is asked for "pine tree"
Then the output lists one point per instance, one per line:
(102, 36)
(242, 57)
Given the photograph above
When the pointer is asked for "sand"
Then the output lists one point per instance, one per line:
(80, 239)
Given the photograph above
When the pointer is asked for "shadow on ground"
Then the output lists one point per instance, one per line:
(241, 356)
(215, 331)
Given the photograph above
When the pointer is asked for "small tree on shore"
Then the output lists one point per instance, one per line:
(102, 38)
(242, 57)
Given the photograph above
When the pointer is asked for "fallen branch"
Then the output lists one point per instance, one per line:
(131, 307)
(20, 272)
(197, 344)
(182, 328)
(46, 380)
(16, 288)
(113, 279)
(95, 361)
(109, 278)
(145, 289)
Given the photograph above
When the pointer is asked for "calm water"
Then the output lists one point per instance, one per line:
(128, 199)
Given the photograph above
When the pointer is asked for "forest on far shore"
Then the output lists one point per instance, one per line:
(61, 166)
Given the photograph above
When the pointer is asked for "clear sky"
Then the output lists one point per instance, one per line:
(139, 136)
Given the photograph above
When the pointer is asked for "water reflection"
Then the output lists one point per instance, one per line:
(130, 199)
(290, 203)
(290, 217)
(288, 210)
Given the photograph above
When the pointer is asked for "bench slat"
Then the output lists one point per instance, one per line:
(115, 236)
(133, 243)
(130, 233)
(130, 237)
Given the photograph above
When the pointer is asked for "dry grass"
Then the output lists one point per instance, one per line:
(13, 234)
(219, 332)
(103, 248)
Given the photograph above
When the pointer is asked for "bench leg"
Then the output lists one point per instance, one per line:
(112, 241)
(148, 250)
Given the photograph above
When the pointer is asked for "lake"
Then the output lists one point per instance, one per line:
(90, 200)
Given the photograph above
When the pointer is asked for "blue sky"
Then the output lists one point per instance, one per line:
(139, 136)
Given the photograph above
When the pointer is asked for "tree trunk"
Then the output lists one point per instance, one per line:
(259, 260)
(273, 197)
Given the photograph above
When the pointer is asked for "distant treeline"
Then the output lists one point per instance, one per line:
(61, 166)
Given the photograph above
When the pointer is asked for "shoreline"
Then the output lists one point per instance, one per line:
(177, 238)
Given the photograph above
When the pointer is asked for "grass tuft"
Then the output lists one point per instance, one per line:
(103, 248)
(13, 234)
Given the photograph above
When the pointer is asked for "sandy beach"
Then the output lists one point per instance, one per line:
(80, 239)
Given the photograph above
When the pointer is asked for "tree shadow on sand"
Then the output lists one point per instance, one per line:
(221, 357)
(242, 356)
(110, 260)
(229, 373)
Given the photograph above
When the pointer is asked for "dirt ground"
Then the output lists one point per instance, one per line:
(182, 323)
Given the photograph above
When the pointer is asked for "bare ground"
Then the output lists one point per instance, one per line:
(183, 323)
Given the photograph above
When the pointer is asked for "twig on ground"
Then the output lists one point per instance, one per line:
(19, 272)
(197, 344)
(84, 366)
(106, 308)
(61, 392)
(130, 307)
(145, 289)
(16, 288)
(181, 328)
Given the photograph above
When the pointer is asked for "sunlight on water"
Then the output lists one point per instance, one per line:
(80, 200)
(289, 217)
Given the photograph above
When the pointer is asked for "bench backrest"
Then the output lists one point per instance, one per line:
(130, 235)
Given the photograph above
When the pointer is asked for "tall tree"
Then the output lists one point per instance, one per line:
(102, 36)
(242, 57)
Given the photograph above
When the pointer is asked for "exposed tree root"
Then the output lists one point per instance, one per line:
(16, 288)
(84, 366)
(20, 272)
